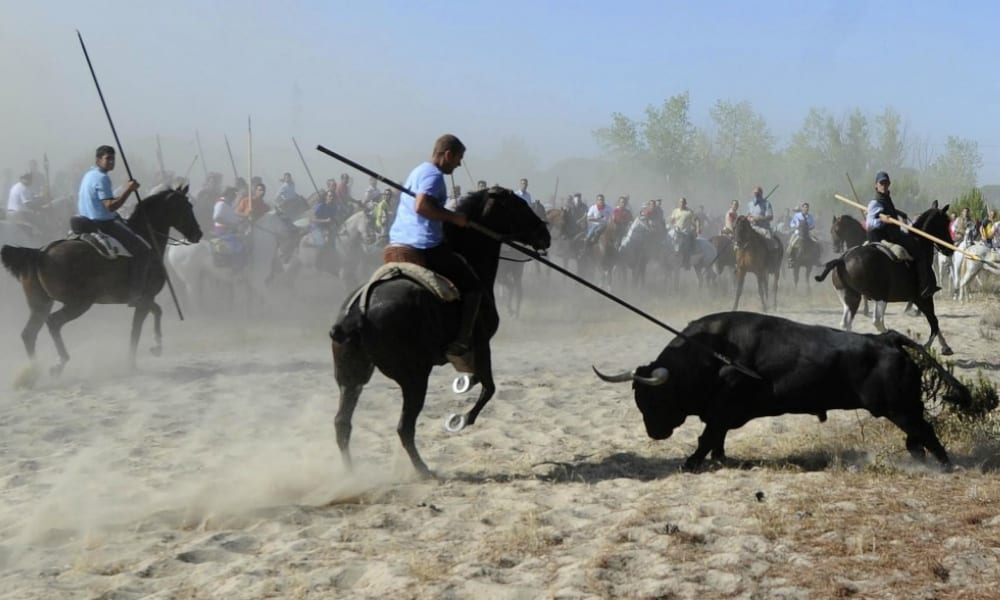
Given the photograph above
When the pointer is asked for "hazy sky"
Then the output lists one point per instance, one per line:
(384, 78)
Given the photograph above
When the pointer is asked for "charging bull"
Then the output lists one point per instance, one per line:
(804, 369)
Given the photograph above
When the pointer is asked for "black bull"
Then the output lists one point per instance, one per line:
(805, 369)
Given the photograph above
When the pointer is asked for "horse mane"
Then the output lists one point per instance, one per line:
(473, 203)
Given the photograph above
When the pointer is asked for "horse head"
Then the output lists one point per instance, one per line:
(743, 231)
(935, 221)
(166, 209)
(504, 212)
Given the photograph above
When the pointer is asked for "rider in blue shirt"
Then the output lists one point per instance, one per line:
(419, 224)
(97, 202)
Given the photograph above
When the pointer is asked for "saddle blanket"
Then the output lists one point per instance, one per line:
(438, 285)
(108, 247)
(893, 251)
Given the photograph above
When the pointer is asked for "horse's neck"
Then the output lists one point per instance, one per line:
(141, 225)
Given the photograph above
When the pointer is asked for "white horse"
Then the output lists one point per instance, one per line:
(965, 270)
(194, 264)
(703, 256)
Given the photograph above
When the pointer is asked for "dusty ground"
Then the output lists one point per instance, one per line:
(213, 473)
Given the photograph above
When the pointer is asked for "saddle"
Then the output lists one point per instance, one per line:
(106, 246)
(894, 251)
(436, 284)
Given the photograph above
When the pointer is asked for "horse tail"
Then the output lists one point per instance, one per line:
(829, 266)
(20, 261)
(959, 395)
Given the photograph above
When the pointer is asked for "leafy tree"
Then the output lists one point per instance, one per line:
(743, 142)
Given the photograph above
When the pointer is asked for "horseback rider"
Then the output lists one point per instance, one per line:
(323, 220)
(760, 214)
(96, 202)
(22, 204)
(685, 229)
(383, 213)
(598, 217)
(419, 224)
(800, 219)
(880, 208)
(522, 191)
(729, 222)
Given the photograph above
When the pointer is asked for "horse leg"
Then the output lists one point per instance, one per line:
(414, 394)
(762, 289)
(774, 286)
(138, 318)
(926, 306)
(157, 349)
(40, 306)
(878, 319)
(484, 373)
(850, 299)
(352, 370)
(55, 322)
(740, 277)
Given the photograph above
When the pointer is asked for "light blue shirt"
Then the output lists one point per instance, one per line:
(760, 209)
(411, 229)
(798, 218)
(95, 188)
(874, 210)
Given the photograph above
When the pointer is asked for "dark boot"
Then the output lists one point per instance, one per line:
(461, 348)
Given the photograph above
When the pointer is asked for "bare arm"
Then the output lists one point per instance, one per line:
(113, 204)
(425, 207)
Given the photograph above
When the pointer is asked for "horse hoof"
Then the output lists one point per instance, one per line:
(461, 384)
(946, 351)
(156, 350)
(454, 423)
(56, 370)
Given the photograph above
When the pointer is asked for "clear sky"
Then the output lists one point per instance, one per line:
(379, 78)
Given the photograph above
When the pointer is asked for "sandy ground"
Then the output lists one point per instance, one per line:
(213, 472)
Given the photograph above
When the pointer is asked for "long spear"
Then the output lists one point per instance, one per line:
(910, 228)
(308, 172)
(528, 252)
(236, 174)
(121, 152)
(48, 184)
(201, 153)
(159, 159)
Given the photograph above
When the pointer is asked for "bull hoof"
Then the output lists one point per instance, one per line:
(692, 466)
(947, 351)
(56, 370)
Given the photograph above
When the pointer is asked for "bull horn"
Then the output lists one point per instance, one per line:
(657, 377)
(619, 378)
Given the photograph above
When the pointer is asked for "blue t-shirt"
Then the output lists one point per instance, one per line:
(411, 229)
(325, 211)
(95, 188)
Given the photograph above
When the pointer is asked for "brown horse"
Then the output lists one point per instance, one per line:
(868, 271)
(72, 272)
(565, 231)
(601, 255)
(758, 255)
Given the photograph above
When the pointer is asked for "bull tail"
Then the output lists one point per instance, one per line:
(959, 394)
(19, 261)
(829, 266)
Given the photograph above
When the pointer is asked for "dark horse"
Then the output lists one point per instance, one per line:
(565, 231)
(846, 233)
(600, 255)
(758, 255)
(867, 271)
(804, 253)
(406, 328)
(72, 272)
